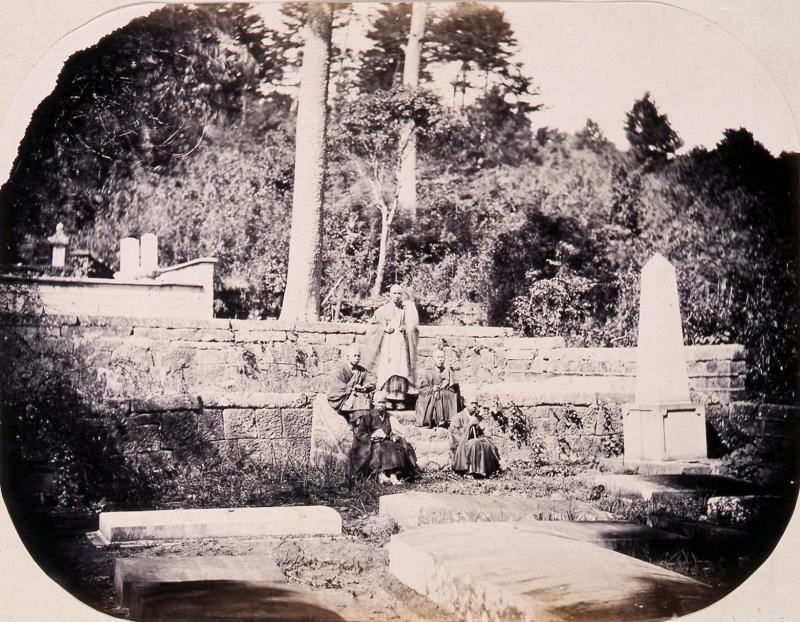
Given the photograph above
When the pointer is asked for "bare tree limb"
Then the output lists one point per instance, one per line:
(332, 289)
(171, 136)
(197, 144)
(94, 151)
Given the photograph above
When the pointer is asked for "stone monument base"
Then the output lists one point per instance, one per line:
(664, 431)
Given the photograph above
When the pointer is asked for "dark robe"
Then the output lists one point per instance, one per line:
(470, 451)
(436, 405)
(342, 395)
(370, 456)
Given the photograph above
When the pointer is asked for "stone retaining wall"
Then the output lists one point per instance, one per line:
(758, 442)
(248, 385)
(148, 357)
(716, 373)
(267, 426)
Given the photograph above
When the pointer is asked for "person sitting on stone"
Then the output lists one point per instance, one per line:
(470, 451)
(349, 387)
(438, 394)
(376, 451)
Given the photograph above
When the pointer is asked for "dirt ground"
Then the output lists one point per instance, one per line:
(348, 573)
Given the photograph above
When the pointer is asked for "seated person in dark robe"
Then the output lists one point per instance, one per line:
(349, 387)
(376, 451)
(470, 451)
(438, 394)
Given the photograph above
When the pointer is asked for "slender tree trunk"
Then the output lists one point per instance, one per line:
(407, 180)
(301, 300)
(376, 286)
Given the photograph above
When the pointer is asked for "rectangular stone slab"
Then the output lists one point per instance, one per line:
(220, 523)
(156, 570)
(412, 509)
(670, 486)
(226, 601)
(621, 536)
(709, 466)
(501, 571)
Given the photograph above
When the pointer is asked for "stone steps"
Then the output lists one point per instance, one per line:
(411, 432)
(430, 444)
(331, 437)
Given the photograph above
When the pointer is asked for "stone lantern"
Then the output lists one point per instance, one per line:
(59, 241)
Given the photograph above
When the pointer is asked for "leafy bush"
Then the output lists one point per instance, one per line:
(54, 417)
(556, 306)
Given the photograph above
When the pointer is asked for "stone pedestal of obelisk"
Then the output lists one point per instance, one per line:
(662, 423)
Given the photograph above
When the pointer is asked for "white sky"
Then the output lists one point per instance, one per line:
(589, 60)
(593, 60)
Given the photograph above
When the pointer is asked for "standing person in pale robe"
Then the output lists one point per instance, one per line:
(349, 387)
(438, 394)
(392, 345)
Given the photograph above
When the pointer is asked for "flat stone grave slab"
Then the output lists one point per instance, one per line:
(621, 536)
(220, 523)
(709, 466)
(671, 486)
(706, 539)
(226, 601)
(500, 571)
(412, 509)
(144, 571)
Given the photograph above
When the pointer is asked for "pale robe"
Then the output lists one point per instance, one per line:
(395, 353)
(470, 451)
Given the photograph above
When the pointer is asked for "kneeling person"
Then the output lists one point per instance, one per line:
(376, 450)
(470, 451)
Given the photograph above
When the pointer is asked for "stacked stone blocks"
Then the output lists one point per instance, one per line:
(245, 385)
(269, 427)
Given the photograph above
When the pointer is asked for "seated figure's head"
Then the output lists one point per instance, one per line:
(353, 354)
(438, 358)
(379, 400)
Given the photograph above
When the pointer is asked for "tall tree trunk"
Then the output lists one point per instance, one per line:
(407, 180)
(382, 249)
(301, 300)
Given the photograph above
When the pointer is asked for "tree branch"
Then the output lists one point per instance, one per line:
(197, 144)
(94, 151)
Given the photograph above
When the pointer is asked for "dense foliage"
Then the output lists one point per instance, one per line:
(176, 124)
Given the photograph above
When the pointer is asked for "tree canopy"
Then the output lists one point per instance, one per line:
(649, 132)
(181, 123)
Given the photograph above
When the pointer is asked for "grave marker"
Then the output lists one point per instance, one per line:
(662, 424)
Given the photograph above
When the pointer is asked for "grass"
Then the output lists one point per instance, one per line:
(60, 546)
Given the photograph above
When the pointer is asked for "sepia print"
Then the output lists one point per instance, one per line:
(399, 311)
